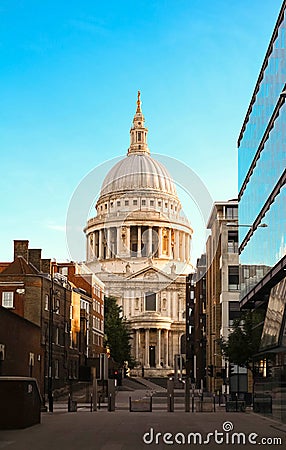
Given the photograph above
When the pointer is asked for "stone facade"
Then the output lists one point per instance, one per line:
(138, 244)
(222, 285)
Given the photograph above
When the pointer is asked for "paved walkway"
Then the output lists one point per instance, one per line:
(124, 430)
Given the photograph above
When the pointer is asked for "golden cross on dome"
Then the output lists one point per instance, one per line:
(138, 101)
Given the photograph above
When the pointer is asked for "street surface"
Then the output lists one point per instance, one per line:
(124, 430)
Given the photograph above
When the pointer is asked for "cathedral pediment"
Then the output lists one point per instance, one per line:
(150, 274)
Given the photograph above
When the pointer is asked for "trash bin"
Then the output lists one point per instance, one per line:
(20, 405)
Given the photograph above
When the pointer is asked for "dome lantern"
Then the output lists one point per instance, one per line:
(138, 132)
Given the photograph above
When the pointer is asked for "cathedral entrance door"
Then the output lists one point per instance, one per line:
(152, 359)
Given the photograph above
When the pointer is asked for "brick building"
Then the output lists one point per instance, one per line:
(200, 322)
(29, 289)
(21, 352)
(90, 291)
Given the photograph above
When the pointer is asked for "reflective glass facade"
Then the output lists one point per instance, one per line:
(266, 246)
(268, 170)
(262, 148)
(266, 98)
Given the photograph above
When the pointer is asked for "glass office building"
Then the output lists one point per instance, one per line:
(262, 230)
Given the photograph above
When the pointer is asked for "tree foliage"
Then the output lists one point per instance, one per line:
(244, 339)
(117, 334)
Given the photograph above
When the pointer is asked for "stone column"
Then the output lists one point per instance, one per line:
(177, 244)
(136, 345)
(171, 350)
(96, 234)
(169, 242)
(167, 348)
(107, 243)
(92, 247)
(139, 232)
(160, 242)
(100, 244)
(149, 251)
(89, 253)
(127, 249)
(114, 243)
(118, 239)
(183, 246)
(147, 364)
(159, 348)
(187, 247)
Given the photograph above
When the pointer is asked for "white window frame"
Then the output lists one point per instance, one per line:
(8, 299)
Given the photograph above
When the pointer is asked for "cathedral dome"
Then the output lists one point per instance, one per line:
(138, 171)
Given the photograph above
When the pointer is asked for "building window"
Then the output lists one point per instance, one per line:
(151, 202)
(111, 204)
(150, 301)
(159, 203)
(232, 243)
(246, 273)
(63, 271)
(46, 302)
(105, 206)
(57, 336)
(57, 371)
(134, 202)
(143, 202)
(231, 212)
(166, 205)
(233, 278)
(233, 311)
(118, 203)
(8, 299)
(126, 202)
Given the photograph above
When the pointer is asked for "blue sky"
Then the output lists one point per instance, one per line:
(69, 75)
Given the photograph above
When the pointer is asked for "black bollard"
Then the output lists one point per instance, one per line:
(51, 403)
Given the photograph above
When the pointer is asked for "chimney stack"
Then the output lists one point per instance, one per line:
(46, 265)
(35, 257)
(21, 248)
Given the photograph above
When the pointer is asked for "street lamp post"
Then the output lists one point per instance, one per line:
(189, 325)
(50, 354)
